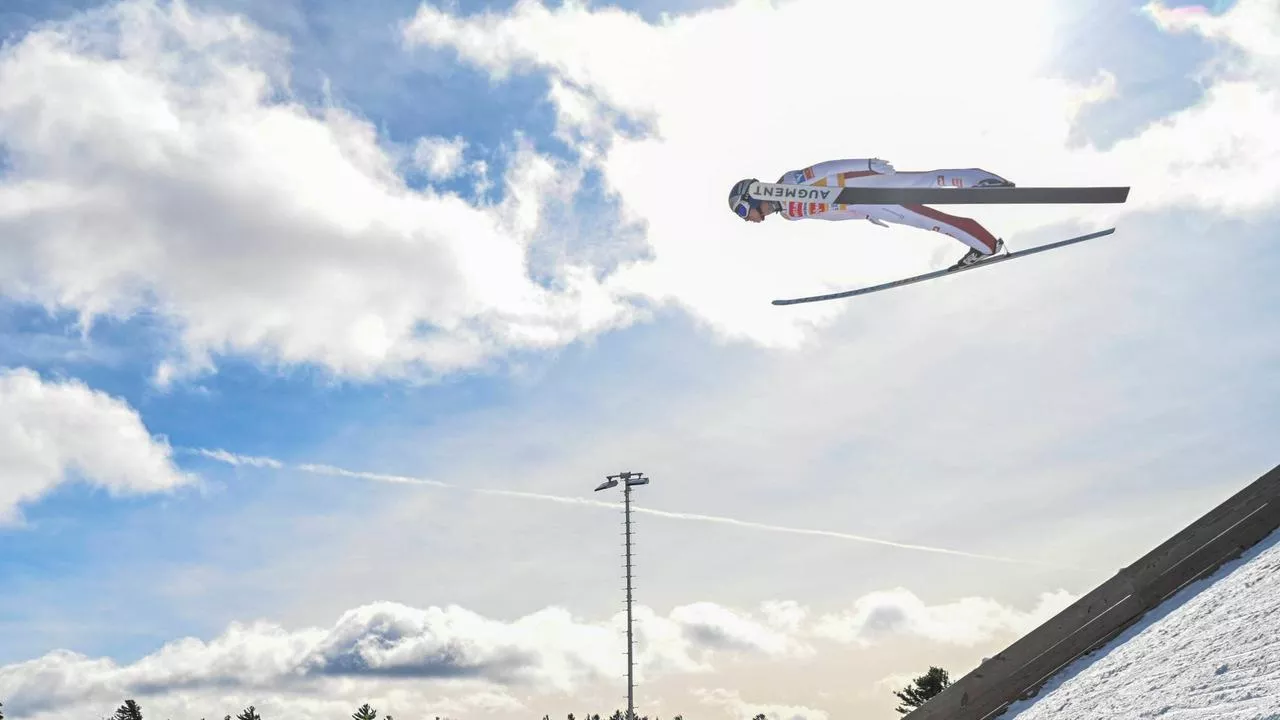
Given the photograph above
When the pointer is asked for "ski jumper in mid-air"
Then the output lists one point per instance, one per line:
(874, 172)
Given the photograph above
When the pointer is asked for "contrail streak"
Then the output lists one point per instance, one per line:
(238, 460)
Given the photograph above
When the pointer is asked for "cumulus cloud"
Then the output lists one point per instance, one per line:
(781, 103)
(484, 659)
(548, 651)
(155, 160)
(547, 647)
(59, 431)
(731, 701)
(1251, 27)
(968, 621)
(713, 626)
(784, 614)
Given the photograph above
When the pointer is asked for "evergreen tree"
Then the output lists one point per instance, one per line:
(924, 687)
(1, 711)
(249, 714)
(365, 713)
(130, 710)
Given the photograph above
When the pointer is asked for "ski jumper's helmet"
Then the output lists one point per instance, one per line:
(739, 203)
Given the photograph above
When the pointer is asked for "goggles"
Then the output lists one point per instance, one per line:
(739, 203)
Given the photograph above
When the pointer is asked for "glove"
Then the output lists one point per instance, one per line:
(884, 167)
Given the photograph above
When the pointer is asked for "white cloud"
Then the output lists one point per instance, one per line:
(967, 621)
(896, 681)
(1250, 26)
(735, 707)
(784, 614)
(464, 661)
(54, 432)
(712, 625)
(790, 90)
(805, 418)
(156, 162)
(441, 158)
(451, 647)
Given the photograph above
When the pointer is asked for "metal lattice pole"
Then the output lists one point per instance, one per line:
(631, 667)
(628, 479)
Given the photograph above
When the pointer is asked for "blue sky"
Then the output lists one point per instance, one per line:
(1121, 387)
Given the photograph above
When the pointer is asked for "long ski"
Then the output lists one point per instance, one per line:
(784, 192)
(942, 273)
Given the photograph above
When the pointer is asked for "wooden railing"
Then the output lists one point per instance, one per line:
(1201, 548)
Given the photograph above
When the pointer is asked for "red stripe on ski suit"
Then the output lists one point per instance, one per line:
(966, 224)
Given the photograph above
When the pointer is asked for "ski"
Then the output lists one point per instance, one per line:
(942, 273)
(784, 192)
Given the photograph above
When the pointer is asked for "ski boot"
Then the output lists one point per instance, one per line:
(973, 256)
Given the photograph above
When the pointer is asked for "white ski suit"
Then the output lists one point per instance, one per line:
(873, 172)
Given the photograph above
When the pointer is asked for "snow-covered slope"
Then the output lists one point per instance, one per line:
(1212, 651)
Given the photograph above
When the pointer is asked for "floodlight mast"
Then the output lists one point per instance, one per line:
(629, 480)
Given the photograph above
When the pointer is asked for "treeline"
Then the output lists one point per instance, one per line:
(131, 710)
(913, 696)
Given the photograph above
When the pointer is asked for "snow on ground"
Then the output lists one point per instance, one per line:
(1210, 651)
